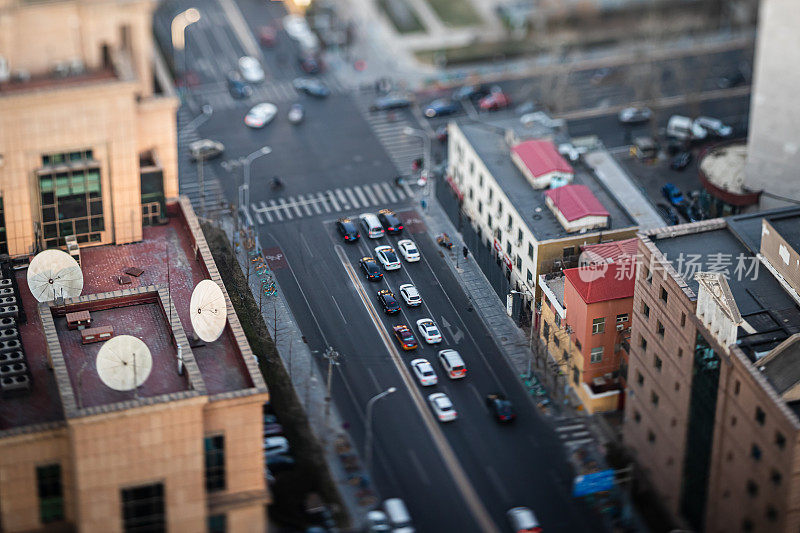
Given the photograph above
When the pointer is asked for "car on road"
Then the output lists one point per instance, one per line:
(442, 407)
(635, 115)
(388, 302)
(398, 515)
(523, 520)
(387, 103)
(494, 101)
(267, 35)
(311, 87)
(427, 328)
(371, 225)
(685, 129)
(251, 69)
(424, 372)
(260, 115)
(377, 522)
(347, 229)
(500, 407)
(673, 194)
(238, 87)
(441, 107)
(371, 269)
(453, 364)
(387, 256)
(275, 446)
(408, 250)
(410, 294)
(405, 337)
(296, 114)
(714, 126)
(310, 64)
(390, 222)
(681, 161)
(470, 92)
(205, 149)
(667, 213)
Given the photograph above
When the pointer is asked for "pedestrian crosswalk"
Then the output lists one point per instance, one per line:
(574, 432)
(207, 197)
(330, 201)
(275, 91)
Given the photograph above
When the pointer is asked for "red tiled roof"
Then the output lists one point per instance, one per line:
(615, 282)
(613, 251)
(541, 157)
(576, 201)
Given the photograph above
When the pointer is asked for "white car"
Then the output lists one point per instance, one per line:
(251, 69)
(377, 522)
(714, 126)
(275, 446)
(523, 519)
(453, 364)
(409, 250)
(429, 331)
(442, 407)
(410, 294)
(260, 115)
(424, 372)
(387, 256)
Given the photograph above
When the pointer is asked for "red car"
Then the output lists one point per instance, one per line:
(494, 101)
(405, 337)
(267, 35)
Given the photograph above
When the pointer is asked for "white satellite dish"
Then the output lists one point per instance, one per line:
(124, 362)
(54, 274)
(209, 311)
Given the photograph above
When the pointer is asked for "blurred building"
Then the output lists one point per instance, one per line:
(88, 145)
(713, 411)
(180, 452)
(773, 151)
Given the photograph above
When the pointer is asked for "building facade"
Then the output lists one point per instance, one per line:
(88, 143)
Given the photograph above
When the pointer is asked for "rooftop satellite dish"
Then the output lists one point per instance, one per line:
(124, 362)
(209, 311)
(54, 274)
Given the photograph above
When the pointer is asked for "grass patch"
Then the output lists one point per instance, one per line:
(403, 17)
(455, 12)
(311, 472)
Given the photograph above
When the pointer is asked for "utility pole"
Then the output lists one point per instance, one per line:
(368, 436)
(333, 359)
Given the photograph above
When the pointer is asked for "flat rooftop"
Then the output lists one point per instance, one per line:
(55, 81)
(489, 143)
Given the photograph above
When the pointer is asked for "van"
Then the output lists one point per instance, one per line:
(398, 515)
(683, 128)
(372, 226)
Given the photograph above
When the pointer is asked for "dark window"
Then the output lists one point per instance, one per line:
(530, 275)
(637, 417)
(677, 386)
(568, 251)
(643, 343)
(639, 378)
(683, 319)
(776, 477)
(664, 295)
(547, 331)
(217, 523)
(69, 196)
(780, 440)
(654, 398)
(576, 375)
(755, 452)
(657, 362)
(733, 420)
(680, 352)
(530, 250)
(556, 341)
(736, 387)
(519, 235)
(480, 207)
(578, 345)
(648, 276)
(215, 463)
(752, 488)
(51, 497)
(651, 437)
(645, 310)
(3, 236)
(143, 509)
(660, 328)
(761, 416)
(747, 525)
(772, 514)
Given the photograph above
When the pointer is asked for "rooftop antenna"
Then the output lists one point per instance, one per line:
(209, 312)
(124, 363)
(53, 273)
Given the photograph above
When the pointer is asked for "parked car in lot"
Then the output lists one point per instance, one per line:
(275, 446)
(251, 69)
(312, 87)
(494, 101)
(424, 372)
(442, 407)
(681, 161)
(690, 211)
(500, 407)
(260, 115)
(441, 108)
(667, 213)
(238, 87)
(685, 129)
(205, 149)
(714, 126)
(673, 194)
(635, 115)
(310, 64)
(410, 294)
(386, 103)
(296, 114)
(377, 522)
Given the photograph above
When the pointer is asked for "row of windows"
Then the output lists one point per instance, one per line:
(599, 324)
(61, 158)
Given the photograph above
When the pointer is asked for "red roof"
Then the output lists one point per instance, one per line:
(614, 250)
(576, 201)
(541, 157)
(594, 284)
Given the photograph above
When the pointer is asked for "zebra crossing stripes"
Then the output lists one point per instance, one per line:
(275, 91)
(574, 432)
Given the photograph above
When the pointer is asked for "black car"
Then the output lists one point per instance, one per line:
(690, 212)
(389, 221)
(667, 214)
(347, 228)
(311, 87)
(387, 103)
(681, 161)
(472, 92)
(238, 87)
(502, 409)
(371, 269)
(388, 301)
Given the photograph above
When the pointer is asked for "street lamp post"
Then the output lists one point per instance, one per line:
(368, 436)
(244, 190)
(180, 22)
(426, 161)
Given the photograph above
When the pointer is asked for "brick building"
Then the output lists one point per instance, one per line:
(712, 408)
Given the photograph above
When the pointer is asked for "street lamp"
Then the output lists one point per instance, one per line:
(180, 22)
(368, 437)
(244, 190)
(206, 112)
(426, 140)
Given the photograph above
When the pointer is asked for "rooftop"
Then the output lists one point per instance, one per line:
(55, 80)
(576, 202)
(540, 157)
(612, 281)
(611, 251)
(489, 143)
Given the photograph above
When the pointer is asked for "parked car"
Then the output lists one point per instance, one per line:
(312, 87)
(690, 212)
(377, 522)
(205, 149)
(681, 161)
(667, 213)
(685, 129)
(673, 194)
(251, 69)
(494, 101)
(237, 86)
(470, 92)
(441, 108)
(275, 446)
(714, 126)
(386, 103)
(296, 114)
(635, 115)
(731, 79)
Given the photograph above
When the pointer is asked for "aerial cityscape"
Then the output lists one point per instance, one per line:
(399, 265)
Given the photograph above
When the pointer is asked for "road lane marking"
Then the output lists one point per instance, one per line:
(310, 253)
(389, 192)
(498, 484)
(375, 381)
(372, 198)
(462, 482)
(352, 198)
(332, 199)
(324, 202)
(570, 428)
(337, 306)
(285, 207)
(423, 475)
(481, 402)
(343, 199)
(274, 207)
(361, 197)
(305, 203)
(240, 28)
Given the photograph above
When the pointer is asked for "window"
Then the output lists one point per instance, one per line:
(215, 463)
(143, 509)
(752, 488)
(597, 354)
(51, 496)
(637, 417)
(480, 207)
(547, 330)
(780, 440)
(680, 353)
(677, 386)
(530, 251)
(654, 398)
(557, 318)
(772, 514)
(737, 387)
(529, 275)
(643, 343)
(519, 263)
(622, 318)
(491, 194)
(510, 223)
(647, 275)
(519, 236)
(660, 328)
(598, 325)
(639, 378)
(657, 362)
(651, 437)
(489, 220)
(217, 523)
(664, 296)
(471, 194)
(3, 237)
(645, 310)
(70, 200)
(761, 416)
(568, 251)
(508, 248)
(755, 452)
(733, 420)
(747, 525)
(499, 208)
(472, 168)
(480, 180)
(576, 375)
(683, 319)
(775, 477)
(578, 345)
(555, 338)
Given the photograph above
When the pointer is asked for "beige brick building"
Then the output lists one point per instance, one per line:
(88, 145)
(712, 410)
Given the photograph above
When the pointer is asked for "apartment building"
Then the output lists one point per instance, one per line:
(180, 452)
(712, 408)
(88, 146)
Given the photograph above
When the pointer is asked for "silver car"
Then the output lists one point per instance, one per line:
(205, 149)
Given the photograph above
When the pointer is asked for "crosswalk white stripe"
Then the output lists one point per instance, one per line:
(352, 198)
(407, 190)
(332, 199)
(371, 191)
(296, 207)
(323, 201)
(304, 203)
(263, 208)
(285, 208)
(275, 210)
(400, 194)
(360, 193)
(384, 191)
(342, 198)
(570, 427)
(268, 216)
(258, 217)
